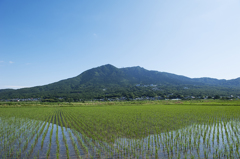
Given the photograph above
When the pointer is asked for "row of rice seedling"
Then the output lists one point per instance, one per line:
(147, 131)
(185, 143)
(57, 141)
(23, 135)
(87, 144)
(50, 139)
(38, 138)
(21, 139)
(63, 135)
(31, 140)
(97, 148)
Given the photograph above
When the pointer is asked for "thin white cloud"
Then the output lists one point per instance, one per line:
(95, 35)
(11, 62)
(15, 87)
(1, 61)
(28, 63)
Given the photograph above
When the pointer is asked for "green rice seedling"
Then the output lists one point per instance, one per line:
(50, 138)
(99, 128)
(57, 142)
(64, 138)
(75, 144)
(45, 133)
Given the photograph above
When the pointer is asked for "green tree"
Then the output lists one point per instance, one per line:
(216, 97)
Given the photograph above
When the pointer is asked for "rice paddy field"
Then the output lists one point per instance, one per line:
(190, 129)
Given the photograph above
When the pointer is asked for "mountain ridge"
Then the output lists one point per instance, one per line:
(122, 81)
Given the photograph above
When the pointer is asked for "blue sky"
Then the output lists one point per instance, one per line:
(46, 41)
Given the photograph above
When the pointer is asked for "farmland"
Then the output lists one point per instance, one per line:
(189, 129)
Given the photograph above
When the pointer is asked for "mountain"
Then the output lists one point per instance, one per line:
(5, 90)
(222, 82)
(110, 81)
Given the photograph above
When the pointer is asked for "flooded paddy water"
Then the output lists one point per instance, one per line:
(218, 140)
(67, 133)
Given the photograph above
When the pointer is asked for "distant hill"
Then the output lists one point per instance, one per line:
(110, 81)
(5, 90)
(216, 82)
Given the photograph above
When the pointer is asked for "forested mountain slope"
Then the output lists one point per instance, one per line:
(109, 81)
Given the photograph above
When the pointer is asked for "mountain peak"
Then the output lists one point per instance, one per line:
(106, 65)
(90, 84)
